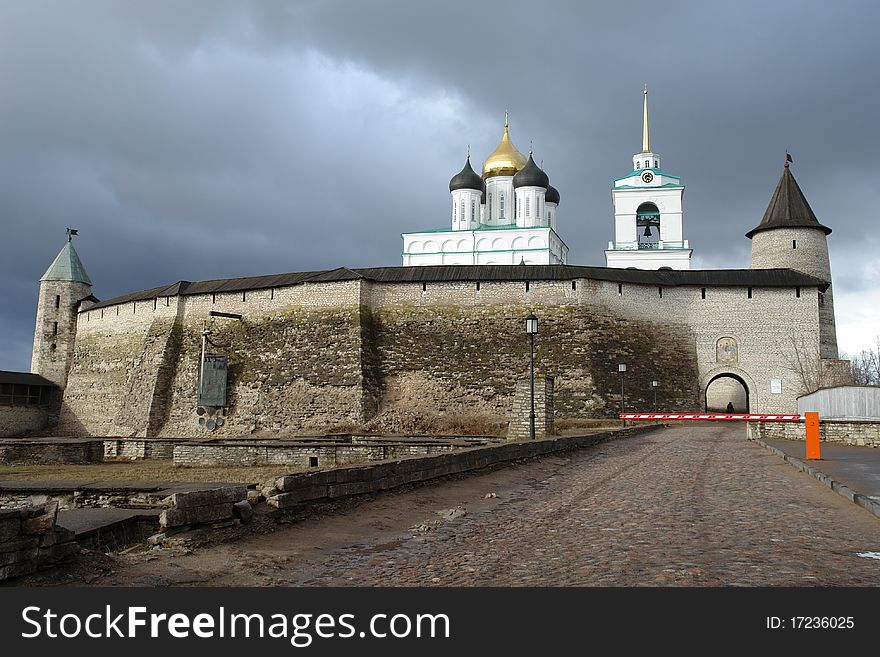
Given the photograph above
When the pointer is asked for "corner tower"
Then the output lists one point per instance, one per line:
(648, 214)
(790, 236)
(62, 288)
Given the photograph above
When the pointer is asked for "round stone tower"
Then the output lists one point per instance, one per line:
(62, 288)
(789, 236)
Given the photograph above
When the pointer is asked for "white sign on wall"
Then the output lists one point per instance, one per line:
(776, 386)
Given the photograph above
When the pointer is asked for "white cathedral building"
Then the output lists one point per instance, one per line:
(508, 215)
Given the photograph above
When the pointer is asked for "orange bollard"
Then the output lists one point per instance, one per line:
(812, 436)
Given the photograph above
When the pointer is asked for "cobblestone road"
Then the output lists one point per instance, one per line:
(689, 505)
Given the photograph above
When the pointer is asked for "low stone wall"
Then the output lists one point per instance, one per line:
(22, 420)
(325, 485)
(30, 540)
(862, 433)
(215, 507)
(300, 455)
(82, 495)
(329, 450)
(45, 451)
(130, 449)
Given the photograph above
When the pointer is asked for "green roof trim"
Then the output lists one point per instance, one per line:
(663, 186)
(67, 267)
(639, 172)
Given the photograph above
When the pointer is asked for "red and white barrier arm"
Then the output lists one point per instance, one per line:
(747, 417)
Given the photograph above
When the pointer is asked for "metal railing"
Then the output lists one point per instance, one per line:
(636, 246)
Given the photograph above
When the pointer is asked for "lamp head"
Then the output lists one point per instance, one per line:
(531, 324)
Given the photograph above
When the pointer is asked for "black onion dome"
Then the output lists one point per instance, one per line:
(552, 195)
(530, 176)
(467, 178)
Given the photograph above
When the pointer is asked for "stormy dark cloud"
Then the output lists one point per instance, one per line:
(200, 140)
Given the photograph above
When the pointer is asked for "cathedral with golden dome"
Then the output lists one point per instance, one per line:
(505, 216)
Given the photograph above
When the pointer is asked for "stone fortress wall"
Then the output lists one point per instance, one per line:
(400, 356)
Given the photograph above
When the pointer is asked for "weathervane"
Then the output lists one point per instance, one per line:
(71, 232)
(788, 159)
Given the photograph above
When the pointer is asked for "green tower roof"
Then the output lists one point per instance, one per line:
(67, 267)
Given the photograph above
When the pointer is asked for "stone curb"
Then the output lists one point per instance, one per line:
(306, 488)
(841, 489)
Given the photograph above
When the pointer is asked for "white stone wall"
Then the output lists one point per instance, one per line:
(55, 328)
(112, 338)
(498, 187)
(804, 249)
(530, 207)
(551, 215)
(508, 246)
(762, 325)
(465, 209)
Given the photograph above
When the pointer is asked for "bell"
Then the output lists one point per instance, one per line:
(647, 232)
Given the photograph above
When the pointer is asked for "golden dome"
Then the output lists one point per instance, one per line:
(504, 160)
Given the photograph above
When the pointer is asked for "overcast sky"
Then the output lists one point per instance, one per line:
(193, 140)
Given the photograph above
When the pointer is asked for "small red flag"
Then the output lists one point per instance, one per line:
(788, 157)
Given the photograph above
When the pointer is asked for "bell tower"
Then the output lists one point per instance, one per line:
(62, 288)
(648, 213)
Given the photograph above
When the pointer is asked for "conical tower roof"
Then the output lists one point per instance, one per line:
(67, 267)
(788, 208)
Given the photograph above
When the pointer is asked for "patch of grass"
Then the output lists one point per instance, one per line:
(148, 470)
(572, 426)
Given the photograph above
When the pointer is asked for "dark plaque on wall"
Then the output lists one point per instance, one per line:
(212, 388)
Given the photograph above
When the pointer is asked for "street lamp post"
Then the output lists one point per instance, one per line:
(532, 330)
(654, 384)
(622, 369)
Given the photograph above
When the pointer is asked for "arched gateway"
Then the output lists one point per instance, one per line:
(726, 389)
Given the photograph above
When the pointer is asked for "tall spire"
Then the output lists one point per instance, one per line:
(646, 141)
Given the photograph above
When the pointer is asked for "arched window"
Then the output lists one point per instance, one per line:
(638, 166)
(501, 205)
(461, 216)
(647, 163)
(527, 206)
(655, 164)
(490, 206)
(473, 210)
